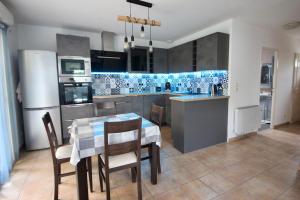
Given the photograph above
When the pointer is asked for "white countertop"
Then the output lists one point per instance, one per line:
(201, 97)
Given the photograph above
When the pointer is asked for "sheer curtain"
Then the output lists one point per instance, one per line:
(9, 145)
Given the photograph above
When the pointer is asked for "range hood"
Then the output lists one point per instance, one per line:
(107, 41)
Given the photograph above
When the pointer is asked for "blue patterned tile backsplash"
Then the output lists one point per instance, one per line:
(126, 83)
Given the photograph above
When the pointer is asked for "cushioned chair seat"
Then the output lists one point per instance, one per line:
(120, 160)
(63, 152)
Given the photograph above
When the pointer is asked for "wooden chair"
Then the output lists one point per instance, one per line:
(105, 108)
(121, 155)
(156, 117)
(60, 155)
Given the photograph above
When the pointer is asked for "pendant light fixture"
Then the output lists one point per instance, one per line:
(143, 22)
(132, 37)
(150, 42)
(142, 33)
(126, 46)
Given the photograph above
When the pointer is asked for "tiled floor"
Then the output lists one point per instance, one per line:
(260, 167)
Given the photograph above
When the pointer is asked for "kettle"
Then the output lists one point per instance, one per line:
(168, 86)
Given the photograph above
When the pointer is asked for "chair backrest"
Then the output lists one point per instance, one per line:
(156, 114)
(111, 128)
(105, 108)
(50, 130)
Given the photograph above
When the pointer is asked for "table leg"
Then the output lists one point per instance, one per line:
(81, 178)
(154, 163)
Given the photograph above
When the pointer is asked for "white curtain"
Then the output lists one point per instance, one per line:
(9, 144)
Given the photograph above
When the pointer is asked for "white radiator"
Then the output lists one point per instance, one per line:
(247, 119)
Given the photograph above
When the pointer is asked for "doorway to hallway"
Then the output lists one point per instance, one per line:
(266, 96)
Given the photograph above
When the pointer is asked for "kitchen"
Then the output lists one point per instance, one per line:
(88, 80)
(75, 82)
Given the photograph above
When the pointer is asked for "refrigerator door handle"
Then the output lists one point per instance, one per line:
(44, 108)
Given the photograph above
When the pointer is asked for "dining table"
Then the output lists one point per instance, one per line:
(87, 140)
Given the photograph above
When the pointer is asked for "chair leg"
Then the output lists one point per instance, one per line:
(139, 182)
(150, 153)
(59, 173)
(56, 182)
(133, 174)
(89, 167)
(107, 185)
(100, 175)
(158, 160)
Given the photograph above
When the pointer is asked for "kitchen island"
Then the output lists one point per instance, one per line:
(198, 121)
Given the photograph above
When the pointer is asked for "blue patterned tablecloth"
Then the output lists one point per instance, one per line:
(87, 135)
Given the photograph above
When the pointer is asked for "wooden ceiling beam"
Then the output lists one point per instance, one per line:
(136, 20)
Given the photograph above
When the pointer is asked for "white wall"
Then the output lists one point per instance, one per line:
(246, 46)
(267, 56)
(44, 38)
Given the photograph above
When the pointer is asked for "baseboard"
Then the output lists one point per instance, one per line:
(240, 137)
(279, 125)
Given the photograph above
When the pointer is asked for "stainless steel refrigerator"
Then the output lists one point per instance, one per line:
(39, 89)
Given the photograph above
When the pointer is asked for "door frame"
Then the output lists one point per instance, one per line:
(274, 86)
(295, 89)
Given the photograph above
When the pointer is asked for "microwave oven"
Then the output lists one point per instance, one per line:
(71, 66)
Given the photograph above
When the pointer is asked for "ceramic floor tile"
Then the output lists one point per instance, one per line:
(217, 182)
(195, 190)
(263, 166)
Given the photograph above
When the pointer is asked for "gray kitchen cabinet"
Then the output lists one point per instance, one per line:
(152, 99)
(140, 104)
(168, 109)
(180, 58)
(124, 107)
(199, 124)
(137, 105)
(71, 112)
(70, 45)
(160, 60)
(212, 52)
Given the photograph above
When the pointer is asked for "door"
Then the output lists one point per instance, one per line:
(296, 90)
(35, 133)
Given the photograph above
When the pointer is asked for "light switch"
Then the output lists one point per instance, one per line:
(236, 87)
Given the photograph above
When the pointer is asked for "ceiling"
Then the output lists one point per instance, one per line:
(179, 18)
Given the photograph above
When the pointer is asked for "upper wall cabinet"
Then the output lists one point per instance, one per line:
(212, 52)
(70, 45)
(159, 60)
(180, 58)
(138, 59)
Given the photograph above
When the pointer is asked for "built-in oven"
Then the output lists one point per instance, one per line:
(74, 66)
(78, 90)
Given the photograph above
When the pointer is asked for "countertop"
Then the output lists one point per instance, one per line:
(200, 97)
(137, 94)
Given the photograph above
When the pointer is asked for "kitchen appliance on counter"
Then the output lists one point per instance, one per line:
(168, 86)
(39, 85)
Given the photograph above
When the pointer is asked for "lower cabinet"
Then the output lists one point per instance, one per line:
(137, 105)
(140, 105)
(124, 107)
(152, 99)
(71, 112)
